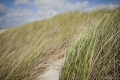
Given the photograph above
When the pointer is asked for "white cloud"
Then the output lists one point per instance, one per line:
(46, 8)
(77, 6)
(108, 6)
(101, 6)
(49, 8)
(18, 13)
(2, 8)
(48, 4)
(16, 17)
(47, 13)
(21, 2)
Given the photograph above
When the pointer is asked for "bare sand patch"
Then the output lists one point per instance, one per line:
(53, 71)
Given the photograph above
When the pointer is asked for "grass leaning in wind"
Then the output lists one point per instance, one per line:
(20, 47)
(95, 53)
(23, 48)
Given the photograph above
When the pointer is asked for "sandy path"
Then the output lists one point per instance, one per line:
(52, 72)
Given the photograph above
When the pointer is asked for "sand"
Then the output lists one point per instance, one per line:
(53, 71)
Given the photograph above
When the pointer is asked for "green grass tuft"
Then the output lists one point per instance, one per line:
(95, 53)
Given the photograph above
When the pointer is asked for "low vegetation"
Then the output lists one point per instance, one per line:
(91, 39)
(95, 52)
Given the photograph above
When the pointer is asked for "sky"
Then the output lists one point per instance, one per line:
(18, 12)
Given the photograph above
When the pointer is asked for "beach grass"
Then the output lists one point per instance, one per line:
(92, 41)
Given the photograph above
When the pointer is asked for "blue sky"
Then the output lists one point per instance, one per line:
(18, 12)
